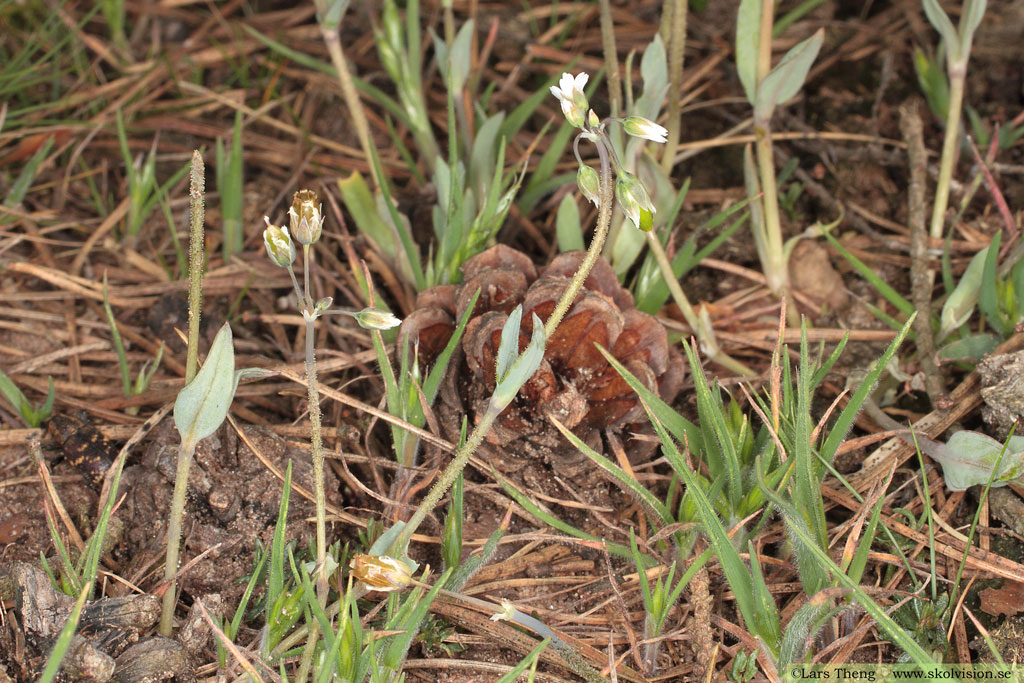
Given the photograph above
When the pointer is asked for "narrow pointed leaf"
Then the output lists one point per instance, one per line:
(945, 27)
(788, 76)
(748, 38)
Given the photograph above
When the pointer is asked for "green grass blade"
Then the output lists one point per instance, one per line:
(845, 420)
(628, 483)
(883, 288)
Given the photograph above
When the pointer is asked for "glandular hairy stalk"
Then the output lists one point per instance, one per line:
(195, 301)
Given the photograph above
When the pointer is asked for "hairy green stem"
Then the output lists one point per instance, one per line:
(177, 514)
(604, 219)
(316, 437)
(444, 482)
(957, 76)
(195, 301)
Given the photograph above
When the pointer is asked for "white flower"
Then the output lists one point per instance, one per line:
(639, 127)
(306, 221)
(380, 572)
(570, 93)
(374, 319)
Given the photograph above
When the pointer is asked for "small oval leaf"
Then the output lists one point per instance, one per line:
(203, 404)
(969, 458)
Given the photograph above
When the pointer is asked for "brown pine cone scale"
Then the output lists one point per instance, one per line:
(574, 384)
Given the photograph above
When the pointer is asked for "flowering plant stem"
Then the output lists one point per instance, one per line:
(177, 514)
(310, 314)
(195, 301)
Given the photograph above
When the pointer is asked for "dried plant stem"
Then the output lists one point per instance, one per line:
(957, 76)
(332, 39)
(921, 274)
(705, 333)
(185, 451)
(676, 46)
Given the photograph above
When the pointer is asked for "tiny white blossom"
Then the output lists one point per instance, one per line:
(375, 319)
(639, 127)
(572, 98)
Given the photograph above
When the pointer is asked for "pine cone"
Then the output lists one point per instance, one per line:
(574, 383)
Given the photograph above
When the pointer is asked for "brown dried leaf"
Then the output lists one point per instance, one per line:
(1007, 600)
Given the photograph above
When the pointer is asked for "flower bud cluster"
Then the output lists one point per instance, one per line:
(630, 192)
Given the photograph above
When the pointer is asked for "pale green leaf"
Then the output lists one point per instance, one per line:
(945, 27)
(969, 458)
(567, 225)
(960, 305)
(203, 404)
(788, 76)
(748, 38)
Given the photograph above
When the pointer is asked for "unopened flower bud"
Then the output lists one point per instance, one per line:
(380, 572)
(589, 184)
(375, 319)
(324, 304)
(635, 202)
(639, 127)
(279, 244)
(592, 120)
(304, 214)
